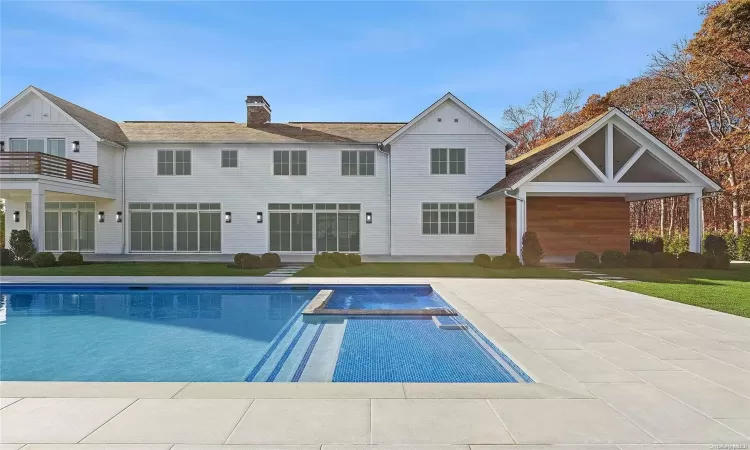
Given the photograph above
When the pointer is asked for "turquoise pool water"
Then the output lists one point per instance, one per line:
(235, 333)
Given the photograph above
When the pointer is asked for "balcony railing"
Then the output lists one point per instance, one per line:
(50, 165)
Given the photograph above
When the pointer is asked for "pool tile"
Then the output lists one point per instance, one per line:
(89, 389)
(173, 421)
(292, 390)
(304, 421)
(574, 421)
(57, 420)
(667, 419)
(7, 401)
(428, 421)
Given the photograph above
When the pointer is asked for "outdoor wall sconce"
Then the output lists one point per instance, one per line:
(75, 146)
(368, 217)
(16, 216)
(101, 216)
(259, 217)
(118, 216)
(2, 146)
(227, 217)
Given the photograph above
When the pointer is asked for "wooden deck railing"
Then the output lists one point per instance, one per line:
(50, 165)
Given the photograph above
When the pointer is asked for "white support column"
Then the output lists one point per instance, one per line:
(520, 220)
(695, 221)
(37, 214)
(609, 152)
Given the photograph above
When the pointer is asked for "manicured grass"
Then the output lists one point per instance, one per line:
(457, 270)
(721, 290)
(136, 269)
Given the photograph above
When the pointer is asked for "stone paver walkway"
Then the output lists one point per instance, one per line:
(614, 370)
(285, 271)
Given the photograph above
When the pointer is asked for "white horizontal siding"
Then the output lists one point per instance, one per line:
(248, 189)
(412, 185)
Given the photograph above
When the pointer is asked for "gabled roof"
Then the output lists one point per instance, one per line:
(450, 97)
(357, 131)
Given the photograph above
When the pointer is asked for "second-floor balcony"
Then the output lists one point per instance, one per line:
(34, 163)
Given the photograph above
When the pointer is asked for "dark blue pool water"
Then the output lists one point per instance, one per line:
(233, 333)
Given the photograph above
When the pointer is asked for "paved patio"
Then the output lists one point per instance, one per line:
(614, 370)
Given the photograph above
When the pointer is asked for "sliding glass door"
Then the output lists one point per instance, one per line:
(180, 227)
(68, 226)
(335, 227)
(290, 227)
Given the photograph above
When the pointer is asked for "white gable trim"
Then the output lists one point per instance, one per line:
(495, 131)
(32, 90)
(570, 146)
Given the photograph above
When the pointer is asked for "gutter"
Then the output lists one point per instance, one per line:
(123, 202)
(506, 192)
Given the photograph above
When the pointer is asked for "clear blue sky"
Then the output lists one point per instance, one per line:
(340, 61)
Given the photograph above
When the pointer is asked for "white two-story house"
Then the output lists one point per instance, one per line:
(437, 185)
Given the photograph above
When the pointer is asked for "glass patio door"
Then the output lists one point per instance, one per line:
(326, 231)
(69, 231)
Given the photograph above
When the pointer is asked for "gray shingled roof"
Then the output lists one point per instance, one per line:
(102, 127)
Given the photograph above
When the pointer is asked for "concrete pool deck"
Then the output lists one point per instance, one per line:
(614, 370)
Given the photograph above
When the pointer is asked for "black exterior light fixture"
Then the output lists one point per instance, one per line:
(16, 216)
(227, 217)
(368, 217)
(259, 217)
(75, 146)
(101, 216)
(118, 216)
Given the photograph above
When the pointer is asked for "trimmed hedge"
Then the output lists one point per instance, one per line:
(6, 257)
(613, 259)
(714, 245)
(248, 261)
(355, 259)
(483, 260)
(506, 261)
(719, 261)
(639, 259)
(336, 259)
(531, 249)
(238, 258)
(743, 247)
(70, 259)
(647, 243)
(324, 260)
(691, 260)
(587, 260)
(270, 260)
(665, 261)
(43, 259)
(340, 259)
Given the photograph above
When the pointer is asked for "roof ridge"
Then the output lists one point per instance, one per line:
(45, 93)
(181, 121)
(345, 122)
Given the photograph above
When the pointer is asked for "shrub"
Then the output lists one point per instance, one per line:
(639, 259)
(587, 260)
(238, 258)
(506, 261)
(355, 259)
(732, 241)
(22, 244)
(722, 261)
(340, 259)
(531, 250)
(483, 260)
(714, 245)
(248, 261)
(70, 259)
(676, 244)
(43, 259)
(6, 257)
(647, 242)
(665, 261)
(325, 260)
(270, 260)
(743, 247)
(613, 259)
(691, 260)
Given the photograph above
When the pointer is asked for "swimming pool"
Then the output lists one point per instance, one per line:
(238, 333)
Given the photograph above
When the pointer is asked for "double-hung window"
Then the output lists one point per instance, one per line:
(355, 162)
(448, 161)
(173, 162)
(448, 218)
(290, 162)
(229, 158)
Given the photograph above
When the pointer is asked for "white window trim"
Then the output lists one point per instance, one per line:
(65, 146)
(174, 161)
(456, 203)
(374, 163)
(307, 163)
(466, 162)
(221, 159)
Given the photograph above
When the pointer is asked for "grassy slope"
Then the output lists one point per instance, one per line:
(136, 269)
(720, 290)
(458, 270)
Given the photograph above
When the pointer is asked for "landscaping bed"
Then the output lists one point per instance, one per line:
(176, 269)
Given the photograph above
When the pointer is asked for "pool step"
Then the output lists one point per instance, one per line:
(449, 322)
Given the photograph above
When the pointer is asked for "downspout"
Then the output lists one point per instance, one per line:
(123, 202)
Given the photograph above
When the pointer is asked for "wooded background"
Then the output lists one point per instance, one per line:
(695, 98)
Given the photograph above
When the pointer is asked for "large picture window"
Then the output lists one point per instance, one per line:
(290, 162)
(447, 161)
(173, 162)
(355, 162)
(169, 227)
(448, 218)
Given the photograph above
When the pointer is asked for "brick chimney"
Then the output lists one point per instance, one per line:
(258, 110)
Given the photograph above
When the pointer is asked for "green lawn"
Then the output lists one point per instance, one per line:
(721, 290)
(458, 270)
(137, 269)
